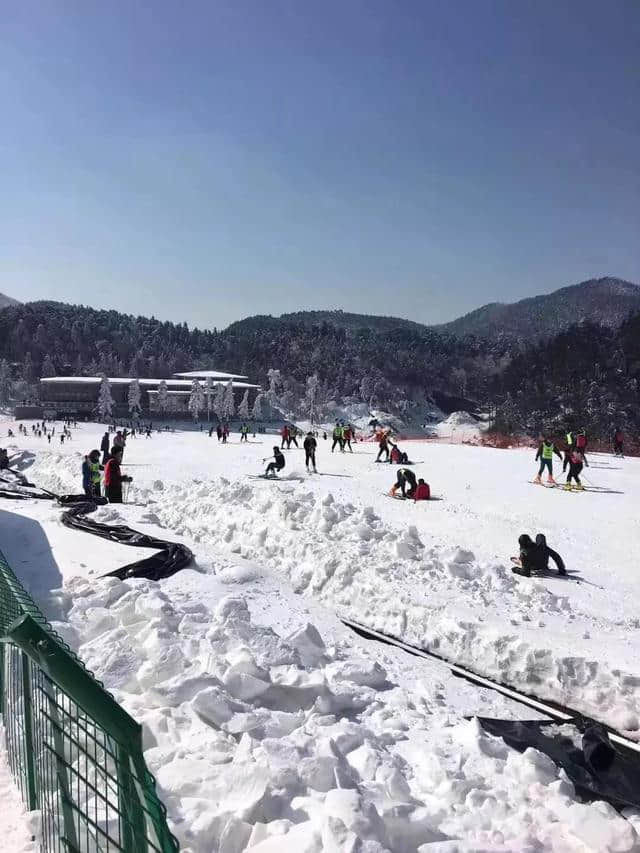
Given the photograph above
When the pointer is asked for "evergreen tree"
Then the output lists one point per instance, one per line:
(196, 399)
(5, 382)
(243, 408)
(105, 400)
(209, 393)
(163, 397)
(218, 401)
(133, 398)
(228, 402)
(256, 411)
(311, 397)
(275, 383)
(47, 366)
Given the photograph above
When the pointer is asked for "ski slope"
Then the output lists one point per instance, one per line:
(268, 724)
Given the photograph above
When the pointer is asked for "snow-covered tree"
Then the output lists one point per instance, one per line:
(5, 382)
(47, 366)
(275, 384)
(209, 394)
(196, 399)
(311, 397)
(105, 400)
(256, 411)
(163, 397)
(133, 398)
(218, 401)
(243, 408)
(229, 403)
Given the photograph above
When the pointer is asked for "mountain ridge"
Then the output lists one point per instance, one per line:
(5, 301)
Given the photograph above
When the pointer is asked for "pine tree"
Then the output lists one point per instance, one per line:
(133, 398)
(105, 400)
(275, 383)
(209, 394)
(311, 397)
(218, 401)
(47, 366)
(5, 382)
(243, 408)
(256, 411)
(229, 403)
(196, 399)
(163, 397)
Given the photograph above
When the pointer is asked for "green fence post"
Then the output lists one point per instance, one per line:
(27, 706)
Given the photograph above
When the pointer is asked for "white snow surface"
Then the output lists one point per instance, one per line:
(269, 725)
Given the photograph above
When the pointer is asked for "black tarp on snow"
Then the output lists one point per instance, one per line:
(598, 770)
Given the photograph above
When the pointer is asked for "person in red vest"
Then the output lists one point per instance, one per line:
(114, 478)
(422, 492)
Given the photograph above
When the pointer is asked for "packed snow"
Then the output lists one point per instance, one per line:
(267, 723)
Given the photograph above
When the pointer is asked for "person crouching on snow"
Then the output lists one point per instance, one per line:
(277, 464)
(405, 477)
(534, 556)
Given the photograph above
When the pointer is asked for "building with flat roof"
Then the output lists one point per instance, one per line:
(77, 396)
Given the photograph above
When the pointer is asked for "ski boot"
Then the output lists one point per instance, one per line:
(567, 487)
(551, 481)
(538, 480)
(579, 487)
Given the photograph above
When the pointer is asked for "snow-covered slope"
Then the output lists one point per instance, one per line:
(268, 724)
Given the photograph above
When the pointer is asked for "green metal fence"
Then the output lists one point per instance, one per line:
(75, 754)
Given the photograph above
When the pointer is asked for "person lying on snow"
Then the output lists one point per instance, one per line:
(405, 478)
(277, 464)
(534, 556)
(114, 478)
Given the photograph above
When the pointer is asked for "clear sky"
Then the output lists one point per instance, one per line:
(204, 161)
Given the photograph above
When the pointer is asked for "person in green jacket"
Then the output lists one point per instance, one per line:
(545, 453)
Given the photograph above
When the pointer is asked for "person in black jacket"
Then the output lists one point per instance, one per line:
(277, 464)
(534, 556)
(104, 447)
(405, 477)
(310, 445)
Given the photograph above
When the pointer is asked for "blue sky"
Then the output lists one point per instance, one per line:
(204, 161)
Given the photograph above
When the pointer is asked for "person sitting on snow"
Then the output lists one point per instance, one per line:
(398, 457)
(422, 492)
(277, 464)
(534, 556)
(404, 476)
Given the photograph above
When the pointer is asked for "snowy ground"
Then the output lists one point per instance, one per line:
(267, 723)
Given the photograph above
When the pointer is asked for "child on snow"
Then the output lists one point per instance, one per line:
(534, 556)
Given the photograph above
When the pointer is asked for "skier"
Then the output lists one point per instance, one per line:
(91, 468)
(423, 492)
(569, 438)
(618, 442)
(347, 435)
(284, 433)
(219, 432)
(405, 476)
(114, 478)
(104, 447)
(4, 459)
(244, 433)
(383, 445)
(225, 433)
(120, 440)
(545, 454)
(576, 463)
(292, 437)
(338, 438)
(534, 556)
(310, 445)
(277, 464)
(581, 444)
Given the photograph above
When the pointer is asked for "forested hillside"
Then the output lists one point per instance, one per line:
(587, 373)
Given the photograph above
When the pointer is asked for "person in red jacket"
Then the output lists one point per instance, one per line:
(284, 432)
(422, 492)
(114, 478)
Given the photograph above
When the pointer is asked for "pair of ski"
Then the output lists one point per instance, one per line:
(560, 486)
